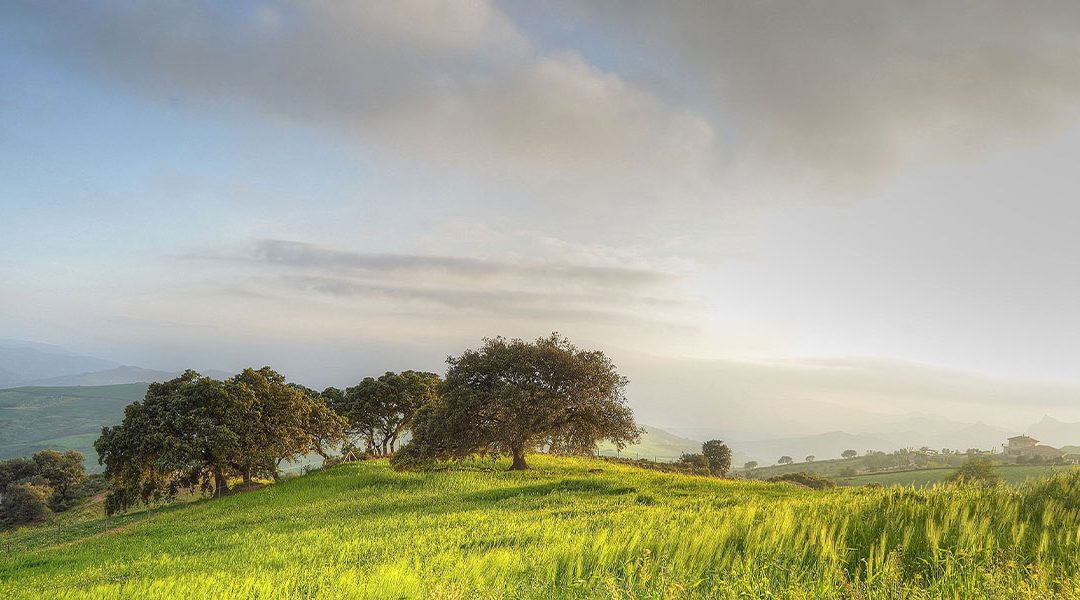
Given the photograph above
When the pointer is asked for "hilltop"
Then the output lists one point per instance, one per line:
(562, 530)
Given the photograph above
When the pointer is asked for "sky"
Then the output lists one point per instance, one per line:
(819, 214)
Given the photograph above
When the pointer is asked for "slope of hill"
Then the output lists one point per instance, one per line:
(560, 531)
(33, 418)
(658, 444)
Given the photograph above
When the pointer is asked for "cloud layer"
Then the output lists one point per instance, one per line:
(442, 83)
(851, 91)
(401, 178)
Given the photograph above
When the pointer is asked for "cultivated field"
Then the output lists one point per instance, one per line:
(1011, 474)
(363, 530)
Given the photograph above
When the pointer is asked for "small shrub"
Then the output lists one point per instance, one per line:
(25, 503)
(814, 482)
(975, 470)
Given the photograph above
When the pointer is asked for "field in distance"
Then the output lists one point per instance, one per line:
(35, 418)
(476, 530)
(1010, 474)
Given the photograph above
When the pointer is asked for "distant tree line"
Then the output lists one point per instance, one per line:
(509, 397)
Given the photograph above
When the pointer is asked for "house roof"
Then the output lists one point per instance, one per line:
(1022, 437)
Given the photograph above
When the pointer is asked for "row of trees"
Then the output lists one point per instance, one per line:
(33, 488)
(509, 397)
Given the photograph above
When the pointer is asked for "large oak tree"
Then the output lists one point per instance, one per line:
(187, 432)
(512, 397)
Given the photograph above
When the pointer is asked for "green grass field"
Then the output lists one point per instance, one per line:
(364, 531)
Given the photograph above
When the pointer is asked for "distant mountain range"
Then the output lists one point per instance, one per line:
(118, 375)
(1055, 433)
(25, 363)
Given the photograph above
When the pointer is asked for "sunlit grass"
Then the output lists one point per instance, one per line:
(363, 530)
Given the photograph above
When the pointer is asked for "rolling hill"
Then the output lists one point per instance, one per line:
(655, 444)
(570, 528)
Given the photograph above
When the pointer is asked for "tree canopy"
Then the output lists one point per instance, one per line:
(25, 502)
(284, 422)
(196, 432)
(511, 397)
(718, 457)
(379, 410)
(32, 488)
(63, 471)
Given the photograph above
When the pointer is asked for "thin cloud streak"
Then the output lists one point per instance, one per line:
(304, 255)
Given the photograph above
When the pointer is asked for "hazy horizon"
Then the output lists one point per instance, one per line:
(773, 219)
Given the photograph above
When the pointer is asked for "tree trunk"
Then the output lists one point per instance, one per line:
(221, 485)
(247, 476)
(519, 461)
